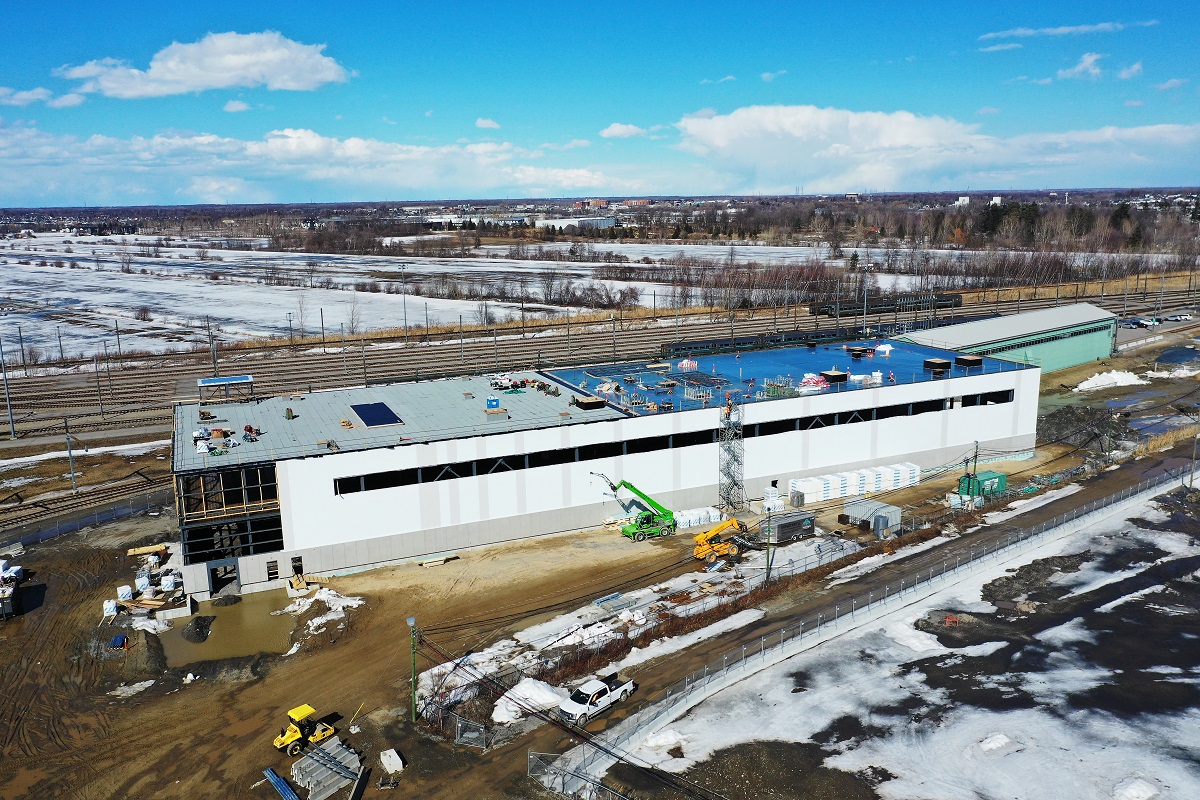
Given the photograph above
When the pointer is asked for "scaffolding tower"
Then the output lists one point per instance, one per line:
(732, 464)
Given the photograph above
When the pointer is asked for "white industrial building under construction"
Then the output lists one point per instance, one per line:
(341, 480)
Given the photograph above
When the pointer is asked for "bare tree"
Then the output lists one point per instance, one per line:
(353, 318)
(549, 281)
(310, 271)
(302, 306)
(201, 253)
(483, 316)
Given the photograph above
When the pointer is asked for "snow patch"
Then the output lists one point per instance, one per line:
(529, 693)
(872, 563)
(1021, 506)
(994, 742)
(674, 644)
(127, 449)
(124, 690)
(1107, 380)
(1134, 789)
(336, 603)
(1178, 372)
(155, 626)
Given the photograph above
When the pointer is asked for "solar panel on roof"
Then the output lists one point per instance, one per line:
(375, 414)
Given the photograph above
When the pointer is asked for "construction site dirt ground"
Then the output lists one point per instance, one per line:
(64, 736)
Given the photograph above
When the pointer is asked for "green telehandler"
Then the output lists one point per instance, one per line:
(658, 522)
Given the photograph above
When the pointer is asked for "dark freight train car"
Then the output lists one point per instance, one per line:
(886, 304)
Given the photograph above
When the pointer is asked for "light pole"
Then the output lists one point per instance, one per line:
(862, 280)
(12, 429)
(71, 455)
(1191, 478)
(770, 551)
(412, 633)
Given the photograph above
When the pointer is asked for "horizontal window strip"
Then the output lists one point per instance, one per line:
(593, 452)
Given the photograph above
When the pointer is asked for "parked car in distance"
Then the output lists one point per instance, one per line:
(1128, 324)
(1147, 322)
(1180, 317)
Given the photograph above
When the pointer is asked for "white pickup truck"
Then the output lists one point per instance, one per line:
(593, 697)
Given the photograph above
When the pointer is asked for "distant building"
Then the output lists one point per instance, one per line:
(637, 203)
(597, 223)
(597, 203)
(996, 201)
(962, 202)
(852, 197)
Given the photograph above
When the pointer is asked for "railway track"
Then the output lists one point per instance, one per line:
(144, 393)
(12, 516)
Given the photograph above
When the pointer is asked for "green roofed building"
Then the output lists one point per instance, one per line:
(1052, 338)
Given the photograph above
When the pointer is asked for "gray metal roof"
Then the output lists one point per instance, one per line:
(1011, 326)
(430, 410)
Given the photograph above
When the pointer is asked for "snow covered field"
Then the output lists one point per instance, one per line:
(1094, 695)
(111, 281)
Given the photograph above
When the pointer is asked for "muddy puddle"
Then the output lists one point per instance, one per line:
(1178, 355)
(242, 629)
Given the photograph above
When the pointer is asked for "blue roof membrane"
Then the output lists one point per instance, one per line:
(759, 375)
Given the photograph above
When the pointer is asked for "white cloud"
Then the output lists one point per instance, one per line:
(1132, 71)
(11, 97)
(571, 145)
(619, 130)
(1173, 83)
(1134, 103)
(485, 122)
(1067, 30)
(213, 168)
(218, 61)
(209, 189)
(1085, 68)
(69, 100)
(1042, 81)
(996, 48)
(772, 148)
(726, 79)
(429, 113)
(771, 76)
(234, 106)
(988, 110)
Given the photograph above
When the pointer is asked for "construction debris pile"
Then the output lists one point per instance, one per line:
(157, 584)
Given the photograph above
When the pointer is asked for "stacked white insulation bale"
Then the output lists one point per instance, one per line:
(848, 484)
(693, 517)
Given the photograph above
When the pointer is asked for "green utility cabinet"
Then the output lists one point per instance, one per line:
(983, 483)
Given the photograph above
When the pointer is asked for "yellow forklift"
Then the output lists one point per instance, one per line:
(303, 729)
(723, 540)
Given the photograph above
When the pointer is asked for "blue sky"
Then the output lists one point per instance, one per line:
(122, 103)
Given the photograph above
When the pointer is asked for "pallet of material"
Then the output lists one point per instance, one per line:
(149, 549)
(146, 602)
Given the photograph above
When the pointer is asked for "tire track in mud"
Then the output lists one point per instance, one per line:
(47, 668)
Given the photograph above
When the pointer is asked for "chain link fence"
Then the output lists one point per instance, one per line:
(572, 774)
(72, 521)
